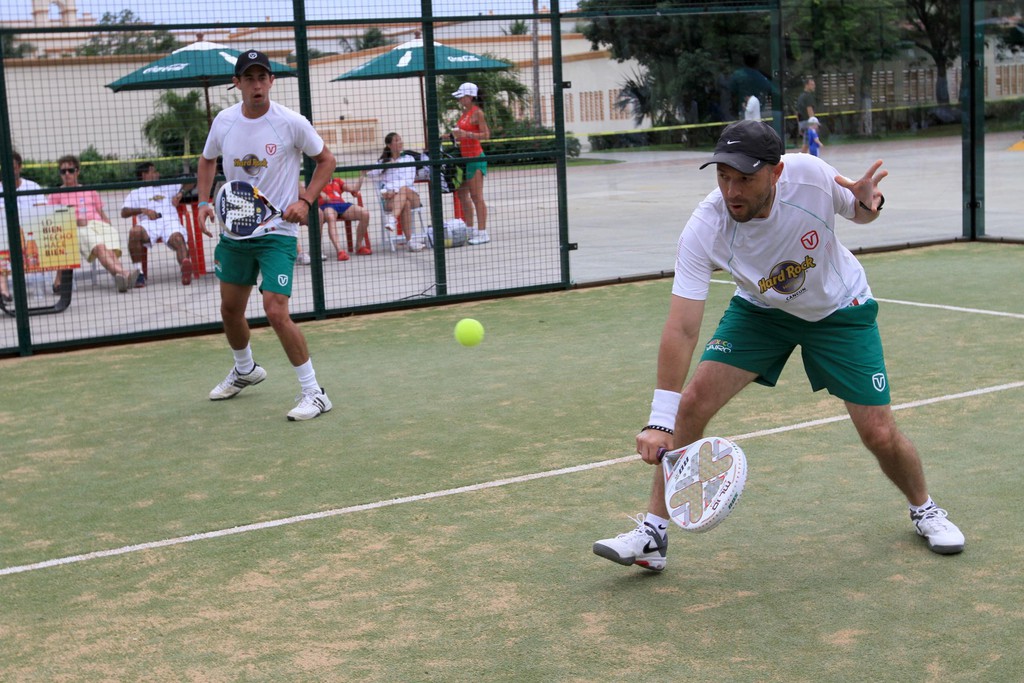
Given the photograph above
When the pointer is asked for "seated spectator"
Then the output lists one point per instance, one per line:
(24, 203)
(97, 238)
(156, 209)
(396, 190)
(333, 208)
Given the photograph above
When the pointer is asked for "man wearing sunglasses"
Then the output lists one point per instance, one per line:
(97, 238)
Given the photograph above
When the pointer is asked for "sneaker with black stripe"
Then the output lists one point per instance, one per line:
(643, 546)
(942, 535)
(235, 382)
(311, 403)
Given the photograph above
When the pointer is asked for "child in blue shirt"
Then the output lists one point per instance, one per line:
(813, 139)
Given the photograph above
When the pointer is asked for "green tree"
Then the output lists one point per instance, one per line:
(838, 35)
(14, 50)
(371, 38)
(503, 96)
(934, 27)
(516, 28)
(127, 42)
(686, 56)
(178, 124)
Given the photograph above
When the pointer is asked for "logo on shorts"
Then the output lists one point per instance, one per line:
(878, 380)
(720, 345)
(216, 266)
(271, 149)
(282, 280)
(810, 240)
(786, 277)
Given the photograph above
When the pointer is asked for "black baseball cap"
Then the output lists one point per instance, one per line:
(251, 58)
(747, 146)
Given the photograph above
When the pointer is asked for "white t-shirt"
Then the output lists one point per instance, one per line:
(792, 260)
(159, 198)
(752, 112)
(25, 202)
(265, 152)
(25, 208)
(394, 179)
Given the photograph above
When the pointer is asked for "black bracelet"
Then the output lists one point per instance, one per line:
(881, 203)
(659, 428)
(308, 203)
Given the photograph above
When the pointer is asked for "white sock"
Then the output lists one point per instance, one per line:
(307, 376)
(244, 363)
(659, 523)
(927, 504)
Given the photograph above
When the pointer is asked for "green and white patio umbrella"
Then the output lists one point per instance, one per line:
(408, 60)
(198, 65)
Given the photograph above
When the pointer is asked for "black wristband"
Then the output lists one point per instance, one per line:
(659, 428)
(881, 203)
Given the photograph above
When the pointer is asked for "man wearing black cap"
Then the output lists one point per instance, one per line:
(771, 226)
(262, 143)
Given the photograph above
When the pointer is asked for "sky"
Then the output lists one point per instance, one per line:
(184, 11)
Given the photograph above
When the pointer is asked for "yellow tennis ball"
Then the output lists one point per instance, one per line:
(469, 332)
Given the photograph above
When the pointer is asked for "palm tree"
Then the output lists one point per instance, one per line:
(372, 37)
(179, 122)
(504, 95)
(12, 49)
(516, 28)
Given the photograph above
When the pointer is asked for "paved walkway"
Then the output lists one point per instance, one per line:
(627, 217)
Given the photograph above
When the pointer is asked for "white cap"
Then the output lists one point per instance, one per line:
(813, 120)
(466, 89)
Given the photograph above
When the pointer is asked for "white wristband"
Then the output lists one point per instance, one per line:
(664, 407)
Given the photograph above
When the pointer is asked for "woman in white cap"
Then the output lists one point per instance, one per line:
(469, 131)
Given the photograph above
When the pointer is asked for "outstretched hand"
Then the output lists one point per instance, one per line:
(866, 188)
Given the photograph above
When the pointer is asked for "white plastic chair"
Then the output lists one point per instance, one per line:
(399, 236)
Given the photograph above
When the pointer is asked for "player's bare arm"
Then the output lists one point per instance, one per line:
(204, 179)
(298, 210)
(869, 197)
(678, 341)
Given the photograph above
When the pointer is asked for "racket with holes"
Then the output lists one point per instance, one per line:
(242, 210)
(703, 482)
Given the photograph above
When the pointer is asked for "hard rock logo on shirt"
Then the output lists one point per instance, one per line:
(251, 164)
(786, 277)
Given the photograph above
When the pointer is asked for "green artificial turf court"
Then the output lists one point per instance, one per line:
(405, 555)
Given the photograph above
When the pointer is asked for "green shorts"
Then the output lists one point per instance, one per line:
(238, 262)
(473, 166)
(841, 353)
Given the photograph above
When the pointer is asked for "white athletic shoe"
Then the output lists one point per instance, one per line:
(480, 237)
(942, 535)
(390, 224)
(235, 382)
(642, 546)
(302, 259)
(311, 403)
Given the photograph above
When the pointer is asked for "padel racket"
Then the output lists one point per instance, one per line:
(703, 482)
(242, 210)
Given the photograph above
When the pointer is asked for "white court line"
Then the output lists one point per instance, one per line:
(1019, 316)
(958, 309)
(245, 528)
